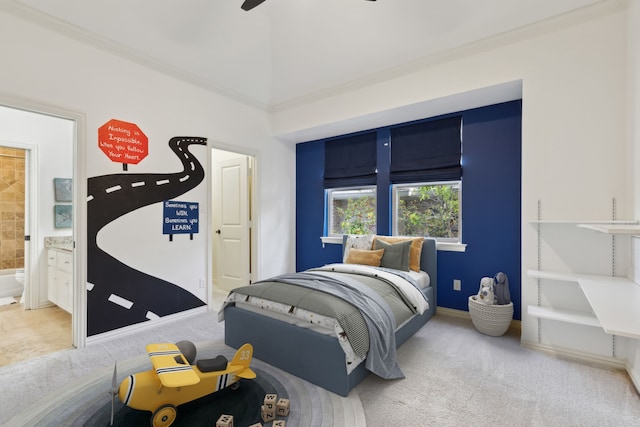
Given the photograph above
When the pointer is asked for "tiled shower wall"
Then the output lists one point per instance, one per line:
(12, 188)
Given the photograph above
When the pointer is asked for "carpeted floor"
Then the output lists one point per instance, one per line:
(85, 401)
(70, 387)
(454, 376)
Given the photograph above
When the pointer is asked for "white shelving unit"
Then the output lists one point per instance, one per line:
(609, 228)
(614, 301)
(563, 316)
(585, 222)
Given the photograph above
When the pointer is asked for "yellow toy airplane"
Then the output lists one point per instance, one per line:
(174, 380)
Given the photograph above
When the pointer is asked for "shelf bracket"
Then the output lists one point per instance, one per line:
(539, 268)
(613, 266)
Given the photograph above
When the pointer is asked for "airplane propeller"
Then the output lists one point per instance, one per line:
(114, 390)
(250, 4)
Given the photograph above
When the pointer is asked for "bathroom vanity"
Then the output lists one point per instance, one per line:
(60, 271)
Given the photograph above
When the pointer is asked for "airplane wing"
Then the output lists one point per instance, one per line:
(171, 366)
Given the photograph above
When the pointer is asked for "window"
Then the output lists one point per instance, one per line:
(351, 210)
(429, 209)
(426, 178)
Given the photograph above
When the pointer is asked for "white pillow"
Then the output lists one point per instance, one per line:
(364, 241)
(421, 277)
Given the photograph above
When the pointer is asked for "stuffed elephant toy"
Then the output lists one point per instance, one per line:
(501, 289)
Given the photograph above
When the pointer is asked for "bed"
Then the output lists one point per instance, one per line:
(308, 348)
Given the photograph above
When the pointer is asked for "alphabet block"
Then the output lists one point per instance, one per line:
(225, 421)
(279, 423)
(282, 408)
(267, 414)
(270, 401)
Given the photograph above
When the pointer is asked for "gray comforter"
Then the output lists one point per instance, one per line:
(367, 308)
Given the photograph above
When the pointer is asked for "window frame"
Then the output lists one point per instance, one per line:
(394, 207)
(329, 205)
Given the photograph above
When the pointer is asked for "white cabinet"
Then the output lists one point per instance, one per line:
(60, 278)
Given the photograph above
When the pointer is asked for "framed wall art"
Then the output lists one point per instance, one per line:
(62, 188)
(63, 215)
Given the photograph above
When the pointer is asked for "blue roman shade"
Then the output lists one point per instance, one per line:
(428, 151)
(350, 161)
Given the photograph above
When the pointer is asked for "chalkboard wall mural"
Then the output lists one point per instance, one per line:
(117, 294)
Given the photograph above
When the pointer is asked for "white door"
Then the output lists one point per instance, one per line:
(231, 225)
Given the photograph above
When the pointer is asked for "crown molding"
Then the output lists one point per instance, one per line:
(79, 34)
(556, 23)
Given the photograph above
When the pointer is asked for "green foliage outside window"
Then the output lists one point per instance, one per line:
(355, 215)
(429, 210)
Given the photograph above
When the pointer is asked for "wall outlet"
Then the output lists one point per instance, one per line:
(457, 285)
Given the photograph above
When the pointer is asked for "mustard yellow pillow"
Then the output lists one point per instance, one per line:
(414, 253)
(365, 257)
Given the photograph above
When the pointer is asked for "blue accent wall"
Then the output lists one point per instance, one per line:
(491, 204)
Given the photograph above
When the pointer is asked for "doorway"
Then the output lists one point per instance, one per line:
(232, 209)
(32, 136)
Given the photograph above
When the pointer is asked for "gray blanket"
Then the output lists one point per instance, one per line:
(381, 359)
(349, 317)
(378, 317)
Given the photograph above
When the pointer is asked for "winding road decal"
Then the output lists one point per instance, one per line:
(118, 295)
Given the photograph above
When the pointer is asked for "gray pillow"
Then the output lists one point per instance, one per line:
(395, 255)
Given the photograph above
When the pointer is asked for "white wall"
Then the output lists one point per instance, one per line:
(633, 48)
(574, 132)
(633, 27)
(45, 67)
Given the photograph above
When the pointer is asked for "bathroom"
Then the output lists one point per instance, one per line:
(37, 149)
(12, 215)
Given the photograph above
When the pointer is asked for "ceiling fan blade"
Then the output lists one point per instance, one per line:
(250, 4)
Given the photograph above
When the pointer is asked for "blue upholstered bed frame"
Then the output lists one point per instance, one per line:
(310, 355)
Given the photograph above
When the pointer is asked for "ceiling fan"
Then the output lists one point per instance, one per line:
(250, 4)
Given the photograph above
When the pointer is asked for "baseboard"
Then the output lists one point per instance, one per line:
(128, 330)
(577, 355)
(515, 326)
(451, 312)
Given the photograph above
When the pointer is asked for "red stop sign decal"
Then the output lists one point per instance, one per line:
(123, 142)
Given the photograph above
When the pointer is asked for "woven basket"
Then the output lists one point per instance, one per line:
(491, 320)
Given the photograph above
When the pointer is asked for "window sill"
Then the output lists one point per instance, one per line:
(331, 240)
(451, 247)
(442, 246)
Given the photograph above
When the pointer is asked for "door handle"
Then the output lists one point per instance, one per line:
(218, 232)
